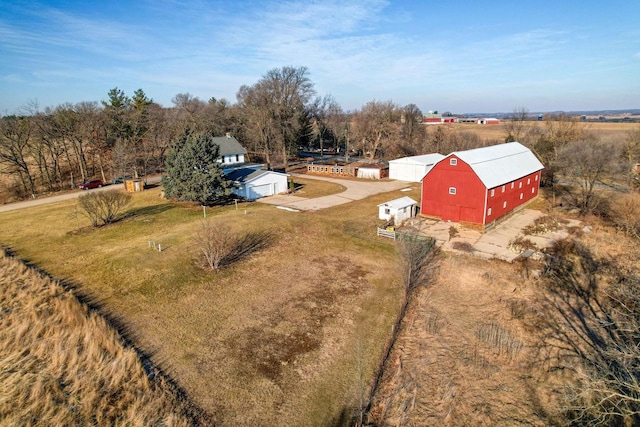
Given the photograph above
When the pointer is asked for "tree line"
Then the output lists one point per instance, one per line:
(59, 147)
(56, 148)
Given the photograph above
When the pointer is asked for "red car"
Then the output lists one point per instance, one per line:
(94, 183)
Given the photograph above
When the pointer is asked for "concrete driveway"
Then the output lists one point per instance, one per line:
(355, 190)
(494, 243)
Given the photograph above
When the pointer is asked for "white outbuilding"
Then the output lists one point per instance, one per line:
(399, 210)
(413, 168)
(253, 184)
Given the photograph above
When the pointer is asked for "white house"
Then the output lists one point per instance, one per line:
(231, 152)
(413, 168)
(253, 184)
(399, 210)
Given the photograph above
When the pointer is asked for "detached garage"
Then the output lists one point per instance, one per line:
(413, 168)
(253, 184)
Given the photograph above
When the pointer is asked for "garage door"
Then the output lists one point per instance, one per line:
(257, 191)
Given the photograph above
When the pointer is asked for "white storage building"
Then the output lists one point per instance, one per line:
(413, 168)
(399, 209)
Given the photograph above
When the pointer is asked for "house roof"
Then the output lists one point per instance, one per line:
(244, 175)
(499, 164)
(424, 159)
(229, 145)
(400, 203)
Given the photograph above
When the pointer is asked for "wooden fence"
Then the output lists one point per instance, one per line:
(386, 233)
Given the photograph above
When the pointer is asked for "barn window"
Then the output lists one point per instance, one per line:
(520, 184)
(453, 161)
(503, 187)
(521, 196)
(493, 191)
(504, 204)
(528, 181)
(512, 185)
(536, 177)
(533, 190)
(452, 190)
(489, 212)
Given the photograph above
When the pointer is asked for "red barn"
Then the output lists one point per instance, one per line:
(481, 185)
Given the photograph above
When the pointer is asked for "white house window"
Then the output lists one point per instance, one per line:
(521, 196)
(237, 157)
(503, 187)
(387, 211)
(453, 161)
(489, 212)
(452, 190)
(504, 204)
(493, 191)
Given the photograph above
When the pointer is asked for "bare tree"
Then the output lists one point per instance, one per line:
(519, 127)
(376, 126)
(558, 132)
(591, 330)
(214, 243)
(218, 246)
(275, 107)
(15, 145)
(585, 164)
(103, 207)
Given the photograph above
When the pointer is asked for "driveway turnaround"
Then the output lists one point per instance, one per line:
(355, 190)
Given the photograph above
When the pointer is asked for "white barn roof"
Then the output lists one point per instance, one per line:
(499, 164)
(424, 159)
(400, 203)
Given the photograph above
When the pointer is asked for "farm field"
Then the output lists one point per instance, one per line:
(496, 133)
(288, 336)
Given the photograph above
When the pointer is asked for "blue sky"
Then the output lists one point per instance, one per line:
(459, 56)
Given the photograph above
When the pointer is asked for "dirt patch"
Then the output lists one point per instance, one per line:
(295, 328)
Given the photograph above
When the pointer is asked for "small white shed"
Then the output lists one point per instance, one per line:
(399, 209)
(413, 168)
(253, 184)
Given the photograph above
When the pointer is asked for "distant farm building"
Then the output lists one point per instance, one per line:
(414, 168)
(356, 170)
(432, 119)
(398, 210)
(488, 121)
(482, 185)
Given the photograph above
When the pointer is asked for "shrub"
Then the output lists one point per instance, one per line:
(103, 207)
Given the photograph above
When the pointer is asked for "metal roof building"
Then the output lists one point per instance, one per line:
(413, 168)
(482, 185)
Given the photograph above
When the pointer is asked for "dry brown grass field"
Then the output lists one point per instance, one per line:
(289, 336)
(62, 364)
(469, 352)
(613, 132)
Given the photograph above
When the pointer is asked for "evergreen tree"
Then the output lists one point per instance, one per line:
(193, 171)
